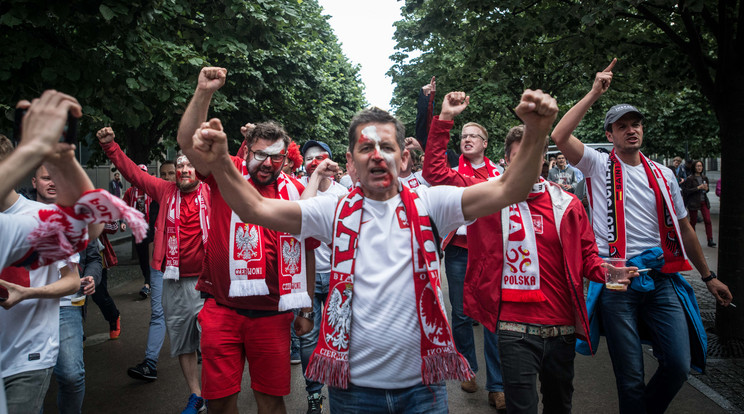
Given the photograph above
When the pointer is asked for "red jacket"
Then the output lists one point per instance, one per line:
(159, 189)
(482, 291)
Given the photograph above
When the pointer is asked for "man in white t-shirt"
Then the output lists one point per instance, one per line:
(321, 185)
(384, 255)
(639, 215)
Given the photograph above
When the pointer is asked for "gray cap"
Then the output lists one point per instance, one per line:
(617, 112)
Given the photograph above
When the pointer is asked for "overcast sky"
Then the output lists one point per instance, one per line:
(365, 29)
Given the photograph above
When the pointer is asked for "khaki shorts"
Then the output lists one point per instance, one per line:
(181, 305)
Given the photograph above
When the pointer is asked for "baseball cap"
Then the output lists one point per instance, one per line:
(617, 112)
(313, 143)
(142, 167)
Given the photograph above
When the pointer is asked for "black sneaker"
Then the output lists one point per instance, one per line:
(144, 292)
(144, 372)
(711, 243)
(315, 403)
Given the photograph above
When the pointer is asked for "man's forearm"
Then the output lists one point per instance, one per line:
(566, 126)
(68, 283)
(692, 247)
(18, 166)
(192, 118)
(70, 179)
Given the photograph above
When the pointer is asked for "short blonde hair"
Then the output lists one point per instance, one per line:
(479, 126)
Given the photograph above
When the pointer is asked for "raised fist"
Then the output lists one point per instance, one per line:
(105, 135)
(211, 78)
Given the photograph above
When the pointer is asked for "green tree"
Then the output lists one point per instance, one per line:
(679, 62)
(134, 65)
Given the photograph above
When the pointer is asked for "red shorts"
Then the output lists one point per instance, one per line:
(228, 339)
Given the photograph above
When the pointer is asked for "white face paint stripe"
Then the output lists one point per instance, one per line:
(181, 160)
(275, 148)
(370, 132)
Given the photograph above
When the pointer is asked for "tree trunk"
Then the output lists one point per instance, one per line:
(730, 321)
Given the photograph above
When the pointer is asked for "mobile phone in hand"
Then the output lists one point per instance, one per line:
(69, 134)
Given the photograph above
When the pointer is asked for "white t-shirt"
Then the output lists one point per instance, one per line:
(385, 346)
(29, 331)
(323, 252)
(14, 231)
(641, 218)
(346, 182)
(414, 180)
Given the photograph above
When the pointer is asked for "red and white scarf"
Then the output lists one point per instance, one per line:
(248, 258)
(329, 363)
(172, 228)
(465, 167)
(140, 201)
(63, 231)
(675, 258)
(520, 280)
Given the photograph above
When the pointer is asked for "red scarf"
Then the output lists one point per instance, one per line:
(141, 201)
(62, 231)
(521, 273)
(172, 229)
(466, 168)
(329, 363)
(248, 260)
(675, 258)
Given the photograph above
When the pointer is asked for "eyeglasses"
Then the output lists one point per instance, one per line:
(466, 136)
(261, 156)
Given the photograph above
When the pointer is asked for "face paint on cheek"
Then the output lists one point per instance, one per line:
(178, 175)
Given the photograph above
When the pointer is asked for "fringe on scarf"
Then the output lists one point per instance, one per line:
(136, 222)
(50, 242)
(450, 366)
(255, 287)
(330, 371)
(171, 273)
(294, 301)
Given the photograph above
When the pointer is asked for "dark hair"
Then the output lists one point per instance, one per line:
(515, 135)
(376, 115)
(270, 131)
(694, 164)
(6, 147)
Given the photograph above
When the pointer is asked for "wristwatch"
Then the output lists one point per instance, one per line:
(712, 276)
(307, 315)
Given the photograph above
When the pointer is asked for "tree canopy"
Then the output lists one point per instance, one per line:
(495, 50)
(134, 65)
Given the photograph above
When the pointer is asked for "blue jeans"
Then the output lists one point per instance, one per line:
(419, 399)
(662, 312)
(455, 265)
(70, 368)
(25, 391)
(156, 333)
(310, 339)
(525, 357)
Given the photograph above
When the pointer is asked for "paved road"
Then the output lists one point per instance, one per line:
(110, 390)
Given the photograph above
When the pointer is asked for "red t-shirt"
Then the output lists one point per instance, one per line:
(190, 246)
(481, 173)
(215, 279)
(558, 309)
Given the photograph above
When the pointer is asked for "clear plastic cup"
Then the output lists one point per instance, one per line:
(78, 299)
(613, 274)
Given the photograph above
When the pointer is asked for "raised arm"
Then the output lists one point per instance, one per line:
(436, 169)
(210, 150)
(562, 135)
(538, 111)
(210, 80)
(148, 183)
(42, 126)
(425, 110)
(324, 171)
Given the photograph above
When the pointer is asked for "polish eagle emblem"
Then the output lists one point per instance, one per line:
(339, 318)
(291, 254)
(246, 241)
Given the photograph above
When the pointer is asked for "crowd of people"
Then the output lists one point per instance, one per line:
(245, 261)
